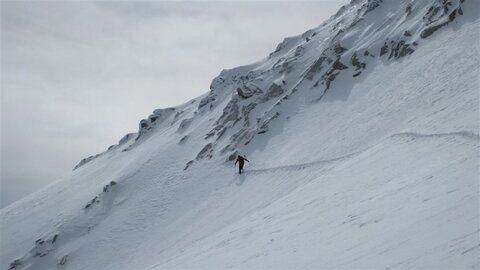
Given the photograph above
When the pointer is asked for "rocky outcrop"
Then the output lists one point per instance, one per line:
(384, 49)
(188, 165)
(248, 91)
(16, 263)
(184, 124)
(183, 140)
(400, 49)
(439, 15)
(206, 152)
(343, 45)
(315, 68)
(273, 91)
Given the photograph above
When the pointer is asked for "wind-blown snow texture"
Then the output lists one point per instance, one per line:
(363, 137)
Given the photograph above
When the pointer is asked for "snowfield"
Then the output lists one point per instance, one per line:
(372, 170)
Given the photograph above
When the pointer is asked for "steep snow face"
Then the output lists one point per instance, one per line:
(363, 138)
(340, 51)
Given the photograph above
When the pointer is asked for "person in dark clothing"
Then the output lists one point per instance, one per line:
(241, 162)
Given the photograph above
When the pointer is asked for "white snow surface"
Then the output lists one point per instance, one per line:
(380, 170)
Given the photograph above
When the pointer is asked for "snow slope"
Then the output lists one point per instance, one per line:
(377, 169)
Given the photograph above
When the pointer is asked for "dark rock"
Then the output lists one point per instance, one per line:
(188, 165)
(356, 74)
(400, 49)
(54, 239)
(339, 65)
(213, 131)
(230, 112)
(184, 124)
(408, 10)
(438, 11)
(153, 118)
(452, 15)
(245, 92)
(329, 79)
(247, 109)
(446, 3)
(143, 124)
(431, 13)
(209, 135)
(429, 31)
(39, 242)
(233, 156)
(407, 33)
(384, 49)
(63, 260)
(372, 4)
(113, 183)
(339, 49)
(300, 50)
(94, 200)
(211, 97)
(206, 152)
(15, 263)
(83, 162)
(183, 140)
(315, 68)
(356, 63)
(275, 90)
(142, 129)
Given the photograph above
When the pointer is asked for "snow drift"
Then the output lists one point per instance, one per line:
(363, 137)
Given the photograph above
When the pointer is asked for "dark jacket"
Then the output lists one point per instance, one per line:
(240, 160)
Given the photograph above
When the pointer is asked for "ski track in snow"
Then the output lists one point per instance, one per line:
(463, 134)
(468, 135)
(301, 166)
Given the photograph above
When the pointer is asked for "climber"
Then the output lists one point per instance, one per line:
(241, 161)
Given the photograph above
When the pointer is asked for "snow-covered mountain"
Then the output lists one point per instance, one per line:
(363, 141)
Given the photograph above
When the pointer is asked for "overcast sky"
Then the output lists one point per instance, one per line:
(77, 76)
